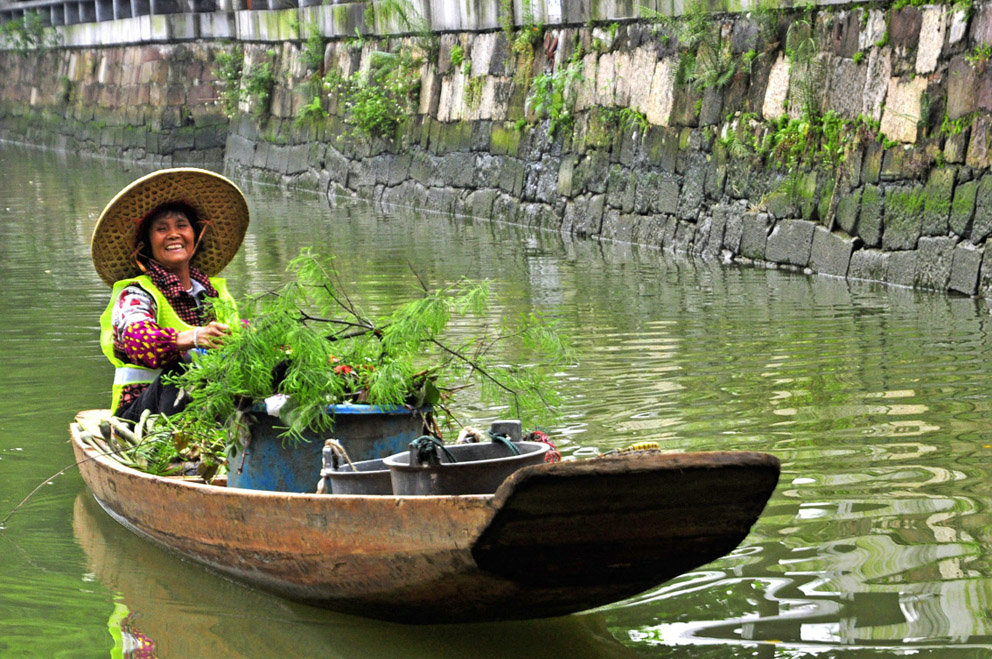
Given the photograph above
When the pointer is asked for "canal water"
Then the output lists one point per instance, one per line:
(876, 399)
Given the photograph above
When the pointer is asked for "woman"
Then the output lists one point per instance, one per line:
(159, 243)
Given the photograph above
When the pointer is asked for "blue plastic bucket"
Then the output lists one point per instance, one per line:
(278, 464)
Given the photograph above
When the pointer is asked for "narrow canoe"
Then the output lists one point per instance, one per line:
(554, 539)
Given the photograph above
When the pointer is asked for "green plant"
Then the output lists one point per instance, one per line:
(314, 343)
(705, 60)
(457, 55)
(473, 91)
(950, 126)
(228, 71)
(259, 82)
(858, 56)
(979, 55)
(552, 96)
(377, 103)
(312, 54)
(312, 112)
(406, 15)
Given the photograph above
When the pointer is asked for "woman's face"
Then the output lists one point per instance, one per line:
(172, 239)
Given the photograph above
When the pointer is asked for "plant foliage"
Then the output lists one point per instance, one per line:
(314, 343)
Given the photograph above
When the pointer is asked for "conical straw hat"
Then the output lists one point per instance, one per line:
(216, 200)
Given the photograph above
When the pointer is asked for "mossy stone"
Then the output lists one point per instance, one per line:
(963, 207)
(903, 206)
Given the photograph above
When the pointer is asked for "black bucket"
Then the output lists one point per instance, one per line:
(477, 469)
(368, 477)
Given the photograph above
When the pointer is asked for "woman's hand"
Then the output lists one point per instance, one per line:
(210, 335)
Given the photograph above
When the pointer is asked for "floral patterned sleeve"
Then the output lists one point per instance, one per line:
(135, 330)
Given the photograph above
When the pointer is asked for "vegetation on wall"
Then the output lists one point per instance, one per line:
(27, 34)
(377, 103)
(552, 95)
(228, 71)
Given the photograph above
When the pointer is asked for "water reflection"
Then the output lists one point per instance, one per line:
(158, 589)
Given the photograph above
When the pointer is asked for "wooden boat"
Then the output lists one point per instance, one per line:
(553, 539)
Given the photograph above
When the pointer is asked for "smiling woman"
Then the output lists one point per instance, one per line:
(159, 243)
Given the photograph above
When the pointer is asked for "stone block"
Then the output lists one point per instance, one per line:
(831, 252)
(584, 215)
(846, 214)
(701, 236)
(981, 228)
(658, 106)
(733, 230)
(661, 148)
(904, 27)
(983, 96)
(980, 146)
(966, 264)
(506, 208)
(691, 197)
(645, 185)
(933, 263)
(901, 268)
(956, 147)
(903, 205)
(937, 201)
(777, 91)
(666, 199)
(871, 165)
(617, 226)
(981, 24)
(480, 203)
(932, 28)
(961, 84)
(619, 189)
(790, 242)
(903, 109)
(957, 25)
(682, 240)
(869, 264)
(781, 203)
(754, 235)
(547, 180)
(870, 215)
(846, 83)
(844, 31)
(711, 246)
(876, 82)
(963, 208)
(297, 159)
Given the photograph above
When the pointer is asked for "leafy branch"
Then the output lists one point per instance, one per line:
(419, 355)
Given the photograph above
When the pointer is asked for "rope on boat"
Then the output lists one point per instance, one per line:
(426, 449)
(337, 452)
(505, 441)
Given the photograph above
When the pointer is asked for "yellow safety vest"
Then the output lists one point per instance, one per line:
(166, 316)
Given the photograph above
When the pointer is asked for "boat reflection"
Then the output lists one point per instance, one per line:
(185, 610)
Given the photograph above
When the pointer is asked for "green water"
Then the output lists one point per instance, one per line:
(876, 400)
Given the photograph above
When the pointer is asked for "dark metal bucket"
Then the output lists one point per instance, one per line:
(273, 463)
(478, 469)
(368, 477)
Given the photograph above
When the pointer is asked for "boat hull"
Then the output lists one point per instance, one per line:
(541, 546)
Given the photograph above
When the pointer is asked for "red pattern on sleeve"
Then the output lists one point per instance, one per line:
(148, 344)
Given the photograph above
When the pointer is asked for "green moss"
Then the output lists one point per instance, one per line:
(505, 139)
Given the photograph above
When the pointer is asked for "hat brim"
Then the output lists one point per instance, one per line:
(217, 201)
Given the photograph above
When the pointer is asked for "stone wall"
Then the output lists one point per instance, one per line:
(850, 141)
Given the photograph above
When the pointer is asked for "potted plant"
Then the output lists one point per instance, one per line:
(310, 355)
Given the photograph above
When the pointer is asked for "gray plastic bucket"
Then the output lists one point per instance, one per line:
(478, 469)
(368, 477)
